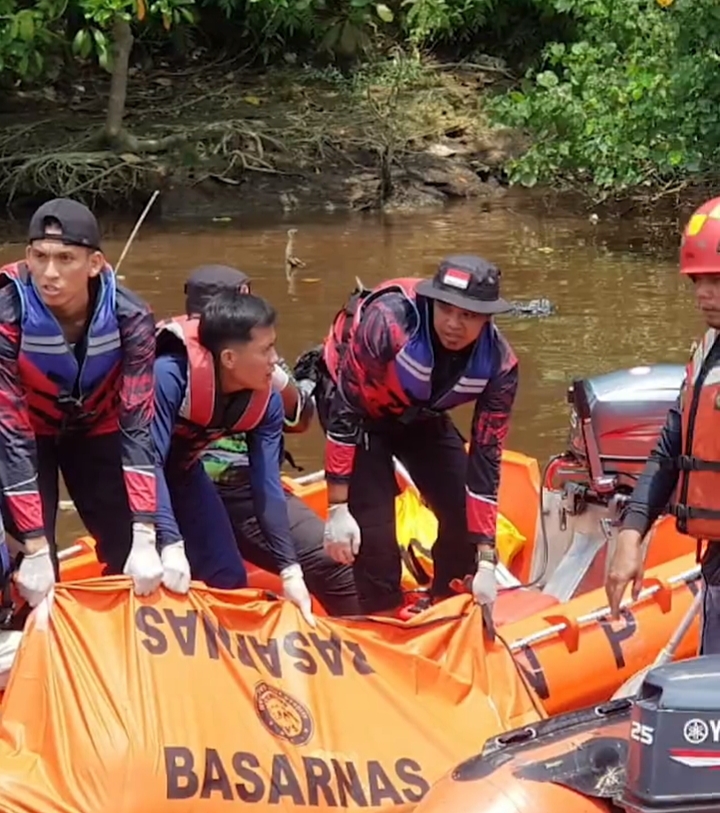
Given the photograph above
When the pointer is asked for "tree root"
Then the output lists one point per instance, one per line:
(86, 175)
(368, 130)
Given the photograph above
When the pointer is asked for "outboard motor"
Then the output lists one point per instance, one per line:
(615, 421)
(673, 762)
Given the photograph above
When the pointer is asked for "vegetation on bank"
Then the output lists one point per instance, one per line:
(102, 97)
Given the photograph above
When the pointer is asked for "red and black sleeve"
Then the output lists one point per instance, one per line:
(137, 332)
(18, 453)
(361, 377)
(490, 426)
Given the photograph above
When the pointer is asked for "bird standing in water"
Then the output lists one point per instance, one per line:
(292, 263)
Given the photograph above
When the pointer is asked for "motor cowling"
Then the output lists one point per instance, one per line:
(673, 762)
(615, 422)
(626, 411)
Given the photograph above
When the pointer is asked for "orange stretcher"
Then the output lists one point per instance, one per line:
(224, 696)
(570, 653)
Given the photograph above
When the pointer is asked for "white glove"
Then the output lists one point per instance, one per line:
(342, 534)
(279, 378)
(35, 576)
(484, 584)
(143, 564)
(176, 568)
(295, 590)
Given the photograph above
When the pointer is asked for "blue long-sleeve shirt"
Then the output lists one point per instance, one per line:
(264, 445)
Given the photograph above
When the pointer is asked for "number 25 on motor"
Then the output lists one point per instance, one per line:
(643, 734)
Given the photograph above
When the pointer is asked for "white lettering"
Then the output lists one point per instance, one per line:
(644, 734)
(697, 731)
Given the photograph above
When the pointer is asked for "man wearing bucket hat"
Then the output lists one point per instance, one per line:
(76, 395)
(682, 474)
(396, 360)
(227, 463)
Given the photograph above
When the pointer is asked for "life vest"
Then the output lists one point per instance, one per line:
(60, 391)
(408, 380)
(201, 421)
(696, 501)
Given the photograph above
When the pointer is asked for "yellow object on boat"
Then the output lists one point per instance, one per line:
(417, 528)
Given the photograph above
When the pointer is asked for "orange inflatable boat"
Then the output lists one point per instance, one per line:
(659, 751)
(551, 612)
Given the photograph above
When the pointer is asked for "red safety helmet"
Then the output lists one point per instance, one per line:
(700, 245)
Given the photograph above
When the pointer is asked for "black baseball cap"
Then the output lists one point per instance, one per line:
(207, 280)
(78, 225)
(467, 282)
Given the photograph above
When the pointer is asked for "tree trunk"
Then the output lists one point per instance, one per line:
(122, 42)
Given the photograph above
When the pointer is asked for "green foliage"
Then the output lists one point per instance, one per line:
(631, 102)
(27, 33)
(619, 94)
(431, 21)
(30, 32)
(99, 15)
(344, 30)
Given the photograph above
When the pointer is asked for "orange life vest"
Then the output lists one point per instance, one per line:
(198, 407)
(696, 502)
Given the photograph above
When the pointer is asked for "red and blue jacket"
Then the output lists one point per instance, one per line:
(103, 384)
(382, 364)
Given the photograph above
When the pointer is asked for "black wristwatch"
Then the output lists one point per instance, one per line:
(488, 556)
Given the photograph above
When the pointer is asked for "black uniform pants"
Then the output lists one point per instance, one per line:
(331, 583)
(433, 452)
(92, 470)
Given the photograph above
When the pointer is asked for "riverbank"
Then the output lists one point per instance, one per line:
(220, 141)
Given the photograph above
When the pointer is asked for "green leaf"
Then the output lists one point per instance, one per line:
(77, 42)
(384, 13)
(547, 79)
(26, 25)
(100, 39)
(105, 59)
(82, 43)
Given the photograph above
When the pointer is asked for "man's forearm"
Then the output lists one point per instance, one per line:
(659, 477)
(337, 493)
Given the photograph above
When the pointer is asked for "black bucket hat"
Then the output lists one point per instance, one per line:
(207, 280)
(467, 282)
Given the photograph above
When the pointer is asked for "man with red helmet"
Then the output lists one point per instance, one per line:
(683, 471)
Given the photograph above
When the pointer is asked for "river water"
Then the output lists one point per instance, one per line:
(620, 300)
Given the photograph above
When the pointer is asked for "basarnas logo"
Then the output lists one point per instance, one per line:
(282, 715)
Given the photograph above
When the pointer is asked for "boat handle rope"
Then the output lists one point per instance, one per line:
(660, 589)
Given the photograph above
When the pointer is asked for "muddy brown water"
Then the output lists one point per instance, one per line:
(619, 302)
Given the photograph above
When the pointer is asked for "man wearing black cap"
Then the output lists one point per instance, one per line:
(213, 378)
(396, 360)
(208, 280)
(76, 395)
(227, 463)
